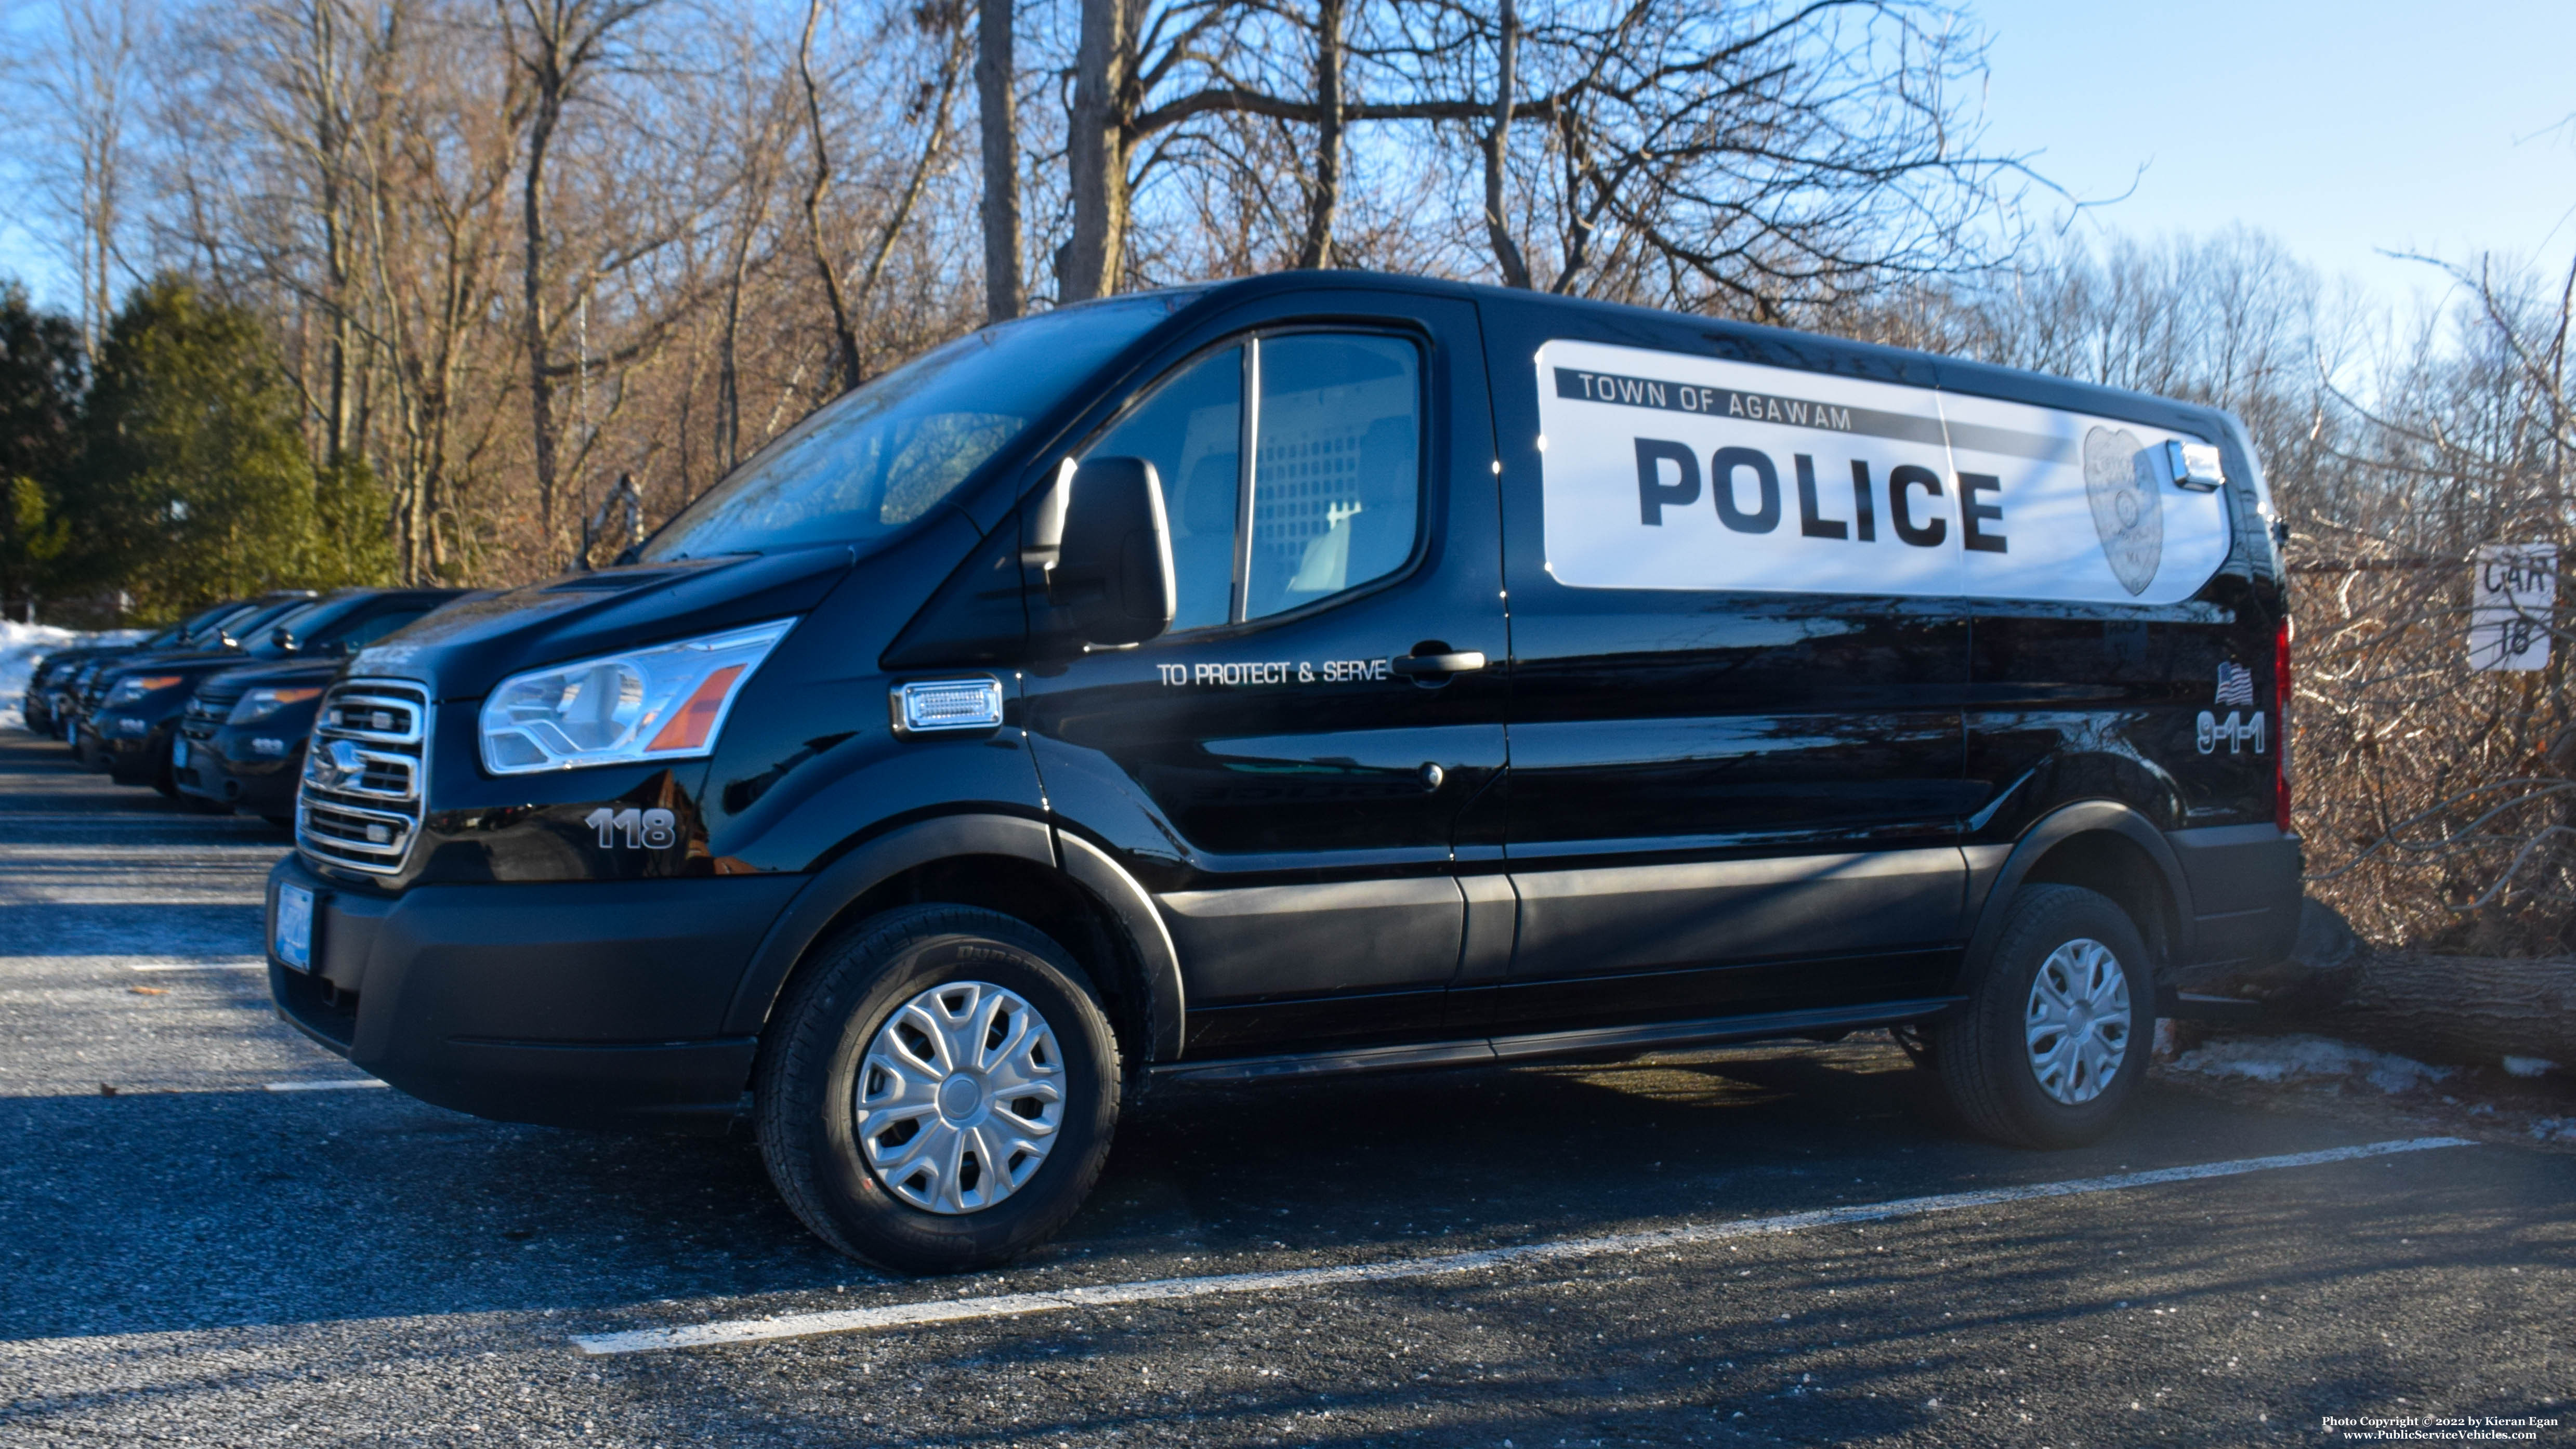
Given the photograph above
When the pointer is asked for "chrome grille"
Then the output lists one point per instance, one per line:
(365, 776)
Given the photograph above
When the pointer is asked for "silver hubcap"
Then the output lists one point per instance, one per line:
(2078, 1022)
(960, 1097)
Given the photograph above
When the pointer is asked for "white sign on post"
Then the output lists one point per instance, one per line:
(2510, 604)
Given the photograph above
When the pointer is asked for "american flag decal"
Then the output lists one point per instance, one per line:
(2235, 684)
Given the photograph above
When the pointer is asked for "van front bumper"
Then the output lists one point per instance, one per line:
(227, 766)
(596, 1004)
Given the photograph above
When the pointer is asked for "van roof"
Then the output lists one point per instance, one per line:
(1750, 341)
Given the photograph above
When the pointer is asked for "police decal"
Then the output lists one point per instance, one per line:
(2236, 730)
(1663, 470)
(2235, 687)
(2235, 684)
(1275, 671)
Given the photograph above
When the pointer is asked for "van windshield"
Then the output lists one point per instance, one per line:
(866, 464)
(304, 626)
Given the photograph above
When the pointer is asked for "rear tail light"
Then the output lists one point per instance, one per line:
(2281, 727)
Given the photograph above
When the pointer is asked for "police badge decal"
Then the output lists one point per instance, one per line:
(2121, 485)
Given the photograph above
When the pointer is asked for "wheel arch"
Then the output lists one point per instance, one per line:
(1077, 896)
(2103, 846)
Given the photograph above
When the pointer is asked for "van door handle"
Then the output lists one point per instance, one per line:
(1417, 665)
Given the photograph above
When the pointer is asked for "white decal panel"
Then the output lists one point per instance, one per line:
(1666, 471)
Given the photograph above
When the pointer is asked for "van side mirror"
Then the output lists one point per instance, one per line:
(284, 638)
(1101, 541)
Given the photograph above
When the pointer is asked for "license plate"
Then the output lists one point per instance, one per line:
(294, 932)
(179, 753)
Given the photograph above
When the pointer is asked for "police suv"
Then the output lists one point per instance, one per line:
(1314, 674)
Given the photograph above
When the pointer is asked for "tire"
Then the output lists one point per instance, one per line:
(1987, 1055)
(836, 1034)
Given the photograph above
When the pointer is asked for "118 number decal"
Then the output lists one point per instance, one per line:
(642, 829)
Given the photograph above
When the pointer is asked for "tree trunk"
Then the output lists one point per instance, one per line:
(1005, 296)
(330, 146)
(541, 387)
(845, 335)
(1317, 250)
(2461, 1008)
(1507, 253)
(1097, 153)
(728, 420)
(950, 67)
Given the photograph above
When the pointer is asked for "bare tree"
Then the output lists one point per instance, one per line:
(1754, 160)
(513, 249)
(1096, 151)
(1324, 197)
(1498, 145)
(757, 160)
(87, 81)
(818, 190)
(436, 176)
(558, 45)
(997, 99)
(849, 301)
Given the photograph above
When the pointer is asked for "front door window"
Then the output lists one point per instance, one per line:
(1337, 479)
(1335, 490)
(1190, 427)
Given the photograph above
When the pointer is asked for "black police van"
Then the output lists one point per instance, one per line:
(126, 720)
(1317, 673)
(239, 740)
(51, 700)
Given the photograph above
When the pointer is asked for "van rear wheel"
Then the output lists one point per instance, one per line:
(939, 1090)
(2055, 1039)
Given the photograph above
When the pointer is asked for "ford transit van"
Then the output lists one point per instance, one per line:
(1313, 674)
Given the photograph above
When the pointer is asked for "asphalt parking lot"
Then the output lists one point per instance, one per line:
(189, 1253)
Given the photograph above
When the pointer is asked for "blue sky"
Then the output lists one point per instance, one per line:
(2345, 129)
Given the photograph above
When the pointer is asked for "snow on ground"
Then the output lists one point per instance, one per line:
(2290, 1058)
(21, 645)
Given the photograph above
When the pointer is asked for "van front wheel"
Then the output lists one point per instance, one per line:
(939, 1090)
(2056, 1037)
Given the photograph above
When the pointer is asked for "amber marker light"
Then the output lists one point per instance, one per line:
(134, 686)
(689, 727)
(259, 704)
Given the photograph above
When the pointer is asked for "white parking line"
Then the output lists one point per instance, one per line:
(236, 823)
(202, 966)
(334, 1084)
(1004, 1305)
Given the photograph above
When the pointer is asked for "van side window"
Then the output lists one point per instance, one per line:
(1190, 427)
(1337, 478)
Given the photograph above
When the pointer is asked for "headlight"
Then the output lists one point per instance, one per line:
(134, 686)
(663, 703)
(259, 704)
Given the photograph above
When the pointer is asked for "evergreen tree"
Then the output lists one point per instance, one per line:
(40, 384)
(194, 481)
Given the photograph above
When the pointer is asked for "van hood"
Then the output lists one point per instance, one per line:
(180, 661)
(277, 673)
(462, 651)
